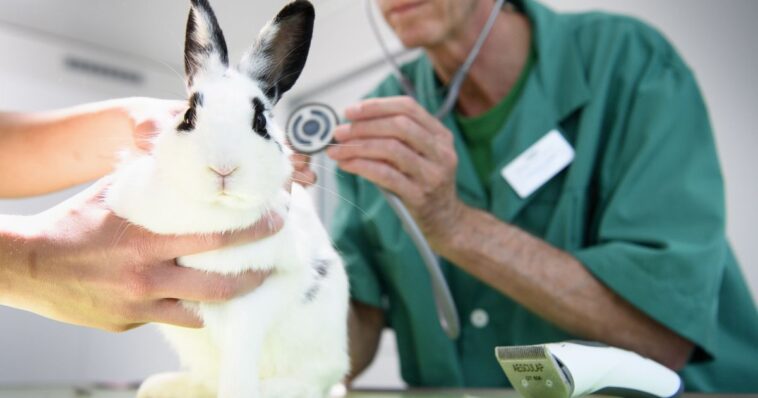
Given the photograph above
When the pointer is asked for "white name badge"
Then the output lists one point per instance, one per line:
(538, 164)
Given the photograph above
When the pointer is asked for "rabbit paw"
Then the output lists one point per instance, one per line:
(289, 388)
(173, 385)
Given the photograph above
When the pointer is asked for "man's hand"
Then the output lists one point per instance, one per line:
(81, 264)
(396, 144)
(148, 116)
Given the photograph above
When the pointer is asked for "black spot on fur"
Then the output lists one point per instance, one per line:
(321, 267)
(196, 53)
(312, 292)
(259, 119)
(188, 124)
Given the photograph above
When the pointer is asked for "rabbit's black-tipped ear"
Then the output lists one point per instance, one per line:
(278, 56)
(204, 45)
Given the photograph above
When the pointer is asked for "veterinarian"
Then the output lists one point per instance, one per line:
(78, 262)
(615, 234)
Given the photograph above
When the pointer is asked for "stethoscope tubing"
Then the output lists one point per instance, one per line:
(443, 299)
(446, 309)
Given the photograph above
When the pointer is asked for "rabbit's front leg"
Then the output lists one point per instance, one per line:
(245, 323)
(174, 385)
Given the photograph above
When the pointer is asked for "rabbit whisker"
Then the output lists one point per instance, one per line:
(177, 74)
(320, 166)
(327, 190)
(120, 232)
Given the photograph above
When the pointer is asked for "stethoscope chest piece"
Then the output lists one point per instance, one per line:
(310, 128)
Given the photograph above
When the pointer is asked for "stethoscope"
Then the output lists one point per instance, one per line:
(310, 129)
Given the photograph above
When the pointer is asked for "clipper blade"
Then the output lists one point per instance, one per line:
(534, 372)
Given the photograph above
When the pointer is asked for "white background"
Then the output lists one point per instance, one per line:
(716, 38)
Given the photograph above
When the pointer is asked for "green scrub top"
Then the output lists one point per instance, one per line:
(641, 206)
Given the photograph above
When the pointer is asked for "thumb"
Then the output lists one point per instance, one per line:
(144, 133)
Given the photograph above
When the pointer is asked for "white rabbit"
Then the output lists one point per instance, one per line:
(223, 167)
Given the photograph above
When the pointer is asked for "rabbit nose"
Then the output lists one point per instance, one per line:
(223, 171)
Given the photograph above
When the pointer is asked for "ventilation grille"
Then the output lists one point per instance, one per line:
(103, 71)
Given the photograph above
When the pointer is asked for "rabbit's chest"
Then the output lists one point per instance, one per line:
(274, 252)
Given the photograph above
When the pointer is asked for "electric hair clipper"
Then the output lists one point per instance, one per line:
(575, 369)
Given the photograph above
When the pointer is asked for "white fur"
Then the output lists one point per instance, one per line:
(272, 342)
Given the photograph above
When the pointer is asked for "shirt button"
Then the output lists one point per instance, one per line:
(479, 318)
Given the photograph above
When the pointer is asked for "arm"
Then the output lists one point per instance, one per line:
(365, 324)
(78, 263)
(44, 152)
(554, 285)
(396, 144)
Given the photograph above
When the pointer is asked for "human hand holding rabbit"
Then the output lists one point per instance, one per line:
(79, 263)
(43, 152)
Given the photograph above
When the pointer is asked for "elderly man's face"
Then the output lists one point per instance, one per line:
(426, 23)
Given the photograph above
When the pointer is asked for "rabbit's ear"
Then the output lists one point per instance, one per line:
(204, 45)
(278, 56)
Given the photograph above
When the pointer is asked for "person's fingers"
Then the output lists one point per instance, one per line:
(403, 105)
(391, 151)
(399, 127)
(144, 134)
(172, 246)
(172, 281)
(384, 175)
(171, 311)
(149, 116)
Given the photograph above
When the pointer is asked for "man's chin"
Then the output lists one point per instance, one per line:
(413, 37)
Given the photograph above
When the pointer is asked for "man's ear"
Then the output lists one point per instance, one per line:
(278, 56)
(204, 45)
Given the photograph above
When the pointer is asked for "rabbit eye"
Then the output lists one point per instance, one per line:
(259, 125)
(259, 119)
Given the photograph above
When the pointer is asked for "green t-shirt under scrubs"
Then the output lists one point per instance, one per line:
(479, 131)
(641, 207)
